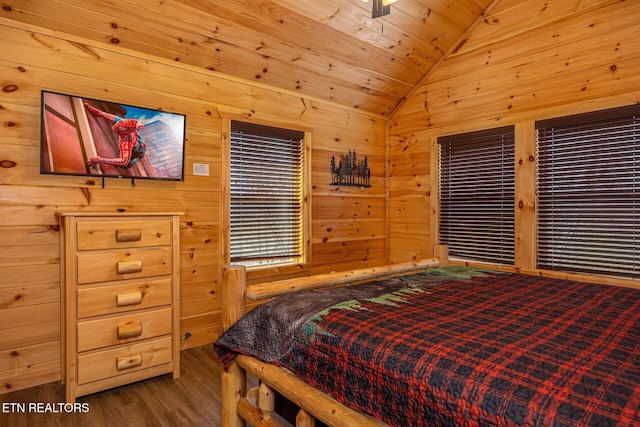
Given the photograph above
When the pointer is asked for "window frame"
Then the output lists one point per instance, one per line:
(305, 195)
(506, 134)
(572, 132)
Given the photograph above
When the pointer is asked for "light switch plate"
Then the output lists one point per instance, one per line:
(201, 169)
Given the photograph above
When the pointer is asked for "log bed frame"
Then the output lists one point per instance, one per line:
(256, 406)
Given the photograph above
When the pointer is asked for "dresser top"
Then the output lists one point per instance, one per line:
(117, 214)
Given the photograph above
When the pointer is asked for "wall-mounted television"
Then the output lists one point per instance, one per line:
(92, 137)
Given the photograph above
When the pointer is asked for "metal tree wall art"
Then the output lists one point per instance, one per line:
(350, 172)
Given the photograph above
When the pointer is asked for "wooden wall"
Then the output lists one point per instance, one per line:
(348, 226)
(525, 61)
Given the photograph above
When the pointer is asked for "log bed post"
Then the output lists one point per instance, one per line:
(441, 253)
(305, 419)
(266, 400)
(233, 381)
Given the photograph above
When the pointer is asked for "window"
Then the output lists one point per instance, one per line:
(266, 192)
(477, 182)
(588, 186)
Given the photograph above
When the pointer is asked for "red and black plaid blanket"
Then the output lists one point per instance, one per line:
(463, 347)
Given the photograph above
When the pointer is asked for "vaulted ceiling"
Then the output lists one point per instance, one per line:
(324, 49)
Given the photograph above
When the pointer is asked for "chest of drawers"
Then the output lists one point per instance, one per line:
(120, 299)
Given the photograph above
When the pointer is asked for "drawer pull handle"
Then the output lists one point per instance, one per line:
(129, 330)
(125, 267)
(128, 235)
(130, 298)
(128, 362)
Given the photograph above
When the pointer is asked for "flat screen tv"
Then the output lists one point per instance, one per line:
(91, 137)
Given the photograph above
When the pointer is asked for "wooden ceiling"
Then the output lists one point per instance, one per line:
(323, 49)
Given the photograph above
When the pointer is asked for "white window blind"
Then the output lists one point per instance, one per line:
(266, 194)
(477, 181)
(588, 185)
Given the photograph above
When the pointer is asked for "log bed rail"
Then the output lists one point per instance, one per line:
(256, 406)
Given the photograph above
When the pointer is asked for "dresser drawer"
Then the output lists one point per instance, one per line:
(122, 360)
(112, 330)
(104, 266)
(123, 233)
(118, 298)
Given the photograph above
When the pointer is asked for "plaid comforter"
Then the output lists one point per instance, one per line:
(465, 347)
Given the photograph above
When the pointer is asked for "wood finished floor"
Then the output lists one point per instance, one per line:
(191, 400)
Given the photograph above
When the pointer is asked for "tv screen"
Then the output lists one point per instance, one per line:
(90, 137)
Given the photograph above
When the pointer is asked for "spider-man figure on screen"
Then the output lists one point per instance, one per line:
(131, 145)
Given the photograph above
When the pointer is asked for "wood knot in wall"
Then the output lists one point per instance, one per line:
(7, 164)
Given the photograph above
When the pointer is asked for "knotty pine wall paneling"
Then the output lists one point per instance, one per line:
(527, 60)
(348, 224)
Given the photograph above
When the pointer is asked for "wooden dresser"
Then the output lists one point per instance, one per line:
(120, 299)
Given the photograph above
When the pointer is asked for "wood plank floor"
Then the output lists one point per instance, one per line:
(191, 400)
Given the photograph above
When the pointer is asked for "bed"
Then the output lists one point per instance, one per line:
(430, 345)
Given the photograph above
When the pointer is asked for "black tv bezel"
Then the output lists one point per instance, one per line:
(99, 175)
